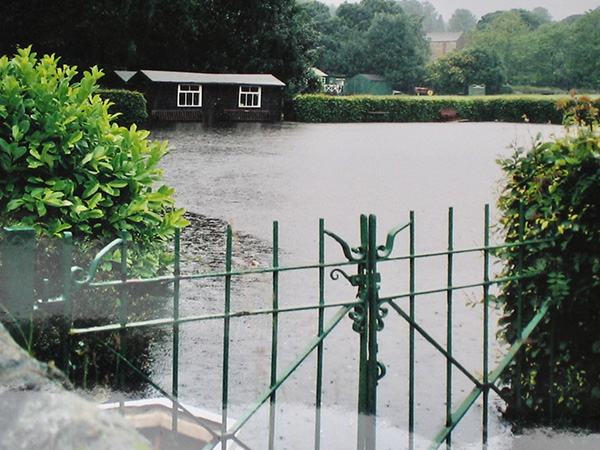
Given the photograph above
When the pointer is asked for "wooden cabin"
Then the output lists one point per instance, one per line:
(210, 98)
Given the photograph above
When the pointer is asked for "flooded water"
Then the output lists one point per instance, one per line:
(252, 174)
(295, 173)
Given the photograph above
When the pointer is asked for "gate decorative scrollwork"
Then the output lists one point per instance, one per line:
(367, 317)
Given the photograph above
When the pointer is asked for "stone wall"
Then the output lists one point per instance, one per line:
(38, 411)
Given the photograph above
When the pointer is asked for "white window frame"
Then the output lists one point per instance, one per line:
(250, 97)
(189, 96)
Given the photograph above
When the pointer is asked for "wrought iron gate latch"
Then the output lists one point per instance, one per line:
(359, 254)
(367, 280)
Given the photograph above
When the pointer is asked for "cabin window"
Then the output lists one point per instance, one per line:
(250, 96)
(189, 95)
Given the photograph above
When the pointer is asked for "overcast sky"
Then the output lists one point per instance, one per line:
(559, 9)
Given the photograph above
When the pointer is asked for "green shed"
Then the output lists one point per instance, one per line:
(367, 84)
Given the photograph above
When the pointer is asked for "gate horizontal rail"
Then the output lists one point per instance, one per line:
(367, 312)
(200, 318)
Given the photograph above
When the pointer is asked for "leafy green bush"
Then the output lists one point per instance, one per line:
(130, 106)
(65, 164)
(504, 108)
(554, 190)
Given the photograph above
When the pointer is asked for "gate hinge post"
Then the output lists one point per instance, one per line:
(18, 272)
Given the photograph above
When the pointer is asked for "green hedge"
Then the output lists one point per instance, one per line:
(503, 108)
(130, 105)
(552, 195)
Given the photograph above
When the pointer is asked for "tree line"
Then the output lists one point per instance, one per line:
(289, 37)
(503, 48)
(243, 36)
(537, 52)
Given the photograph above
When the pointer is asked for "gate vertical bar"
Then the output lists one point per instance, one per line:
(274, 331)
(362, 380)
(123, 313)
(175, 361)
(319, 381)
(67, 262)
(486, 324)
(369, 370)
(449, 299)
(17, 289)
(411, 336)
(364, 389)
(226, 334)
(373, 302)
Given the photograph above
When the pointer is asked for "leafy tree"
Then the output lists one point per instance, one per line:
(374, 7)
(252, 36)
(571, 19)
(353, 16)
(453, 73)
(583, 57)
(317, 14)
(543, 61)
(359, 16)
(533, 20)
(563, 55)
(373, 36)
(432, 21)
(323, 28)
(507, 34)
(162, 35)
(462, 20)
(542, 14)
(195, 35)
(397, 49)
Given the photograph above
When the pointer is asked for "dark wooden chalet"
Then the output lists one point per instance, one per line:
(207, 97)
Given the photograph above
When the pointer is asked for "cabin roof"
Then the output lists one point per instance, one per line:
(319, 72)
(125, 75)
(160, 76)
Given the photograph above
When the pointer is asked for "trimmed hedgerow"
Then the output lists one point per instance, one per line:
(129, 107)
(504, 108)
(553, 189)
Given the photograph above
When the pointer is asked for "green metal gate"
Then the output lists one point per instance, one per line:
(368, 313)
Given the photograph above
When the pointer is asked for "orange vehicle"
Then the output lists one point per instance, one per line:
(420, 90)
